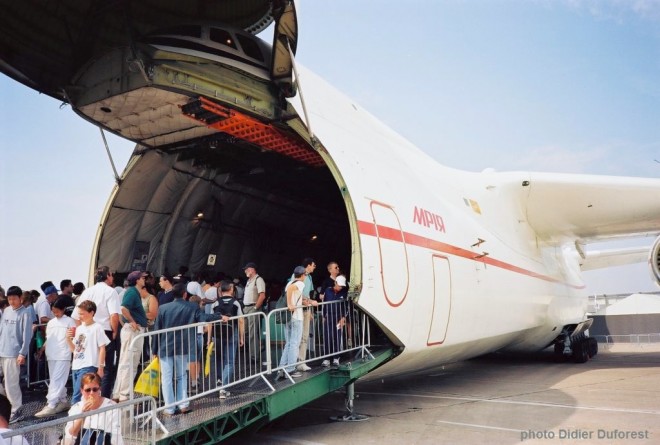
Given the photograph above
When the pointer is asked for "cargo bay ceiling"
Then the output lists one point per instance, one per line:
(224, 166)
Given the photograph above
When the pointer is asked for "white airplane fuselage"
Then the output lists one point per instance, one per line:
(450, 266)
(445, 261)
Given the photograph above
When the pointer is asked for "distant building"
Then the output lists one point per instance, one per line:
(631, 315)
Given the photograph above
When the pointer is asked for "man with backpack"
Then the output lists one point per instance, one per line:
(231, 333)
(253, 300)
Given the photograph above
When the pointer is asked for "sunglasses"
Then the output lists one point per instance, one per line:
(95, 389)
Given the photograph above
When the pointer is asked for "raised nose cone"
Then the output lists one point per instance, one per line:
(45, 43)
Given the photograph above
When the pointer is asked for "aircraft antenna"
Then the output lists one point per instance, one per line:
(300, 91)
(112, 162)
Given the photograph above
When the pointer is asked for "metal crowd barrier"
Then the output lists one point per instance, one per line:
(36, 369)
(326, 341)
(118, 420)
(201, 347)
(628, 338)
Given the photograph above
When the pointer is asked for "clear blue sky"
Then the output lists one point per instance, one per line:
(565, 86)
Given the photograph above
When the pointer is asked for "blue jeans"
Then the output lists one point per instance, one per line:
(292, 336)
(174, 367)
(77, 374)
(110, 370)
(227, 354)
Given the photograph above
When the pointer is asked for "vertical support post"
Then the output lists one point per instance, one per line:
(350, 416)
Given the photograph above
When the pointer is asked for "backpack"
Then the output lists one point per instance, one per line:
(282, 317)
(227, 307)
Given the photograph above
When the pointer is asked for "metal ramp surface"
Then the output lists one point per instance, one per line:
(253, 403)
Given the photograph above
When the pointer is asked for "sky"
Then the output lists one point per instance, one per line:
(557, 86)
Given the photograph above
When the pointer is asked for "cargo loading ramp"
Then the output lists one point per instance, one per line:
(254, 403)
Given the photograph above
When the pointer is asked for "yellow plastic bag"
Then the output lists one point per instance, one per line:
(207, 364)
(149, 381)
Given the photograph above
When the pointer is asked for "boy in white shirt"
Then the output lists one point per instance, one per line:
(59, 359)
(87, 342)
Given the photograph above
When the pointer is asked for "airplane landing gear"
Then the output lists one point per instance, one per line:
(350, 416)
(578, 348)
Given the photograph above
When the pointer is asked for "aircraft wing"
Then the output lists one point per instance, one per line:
(598, 259)
(589, 208)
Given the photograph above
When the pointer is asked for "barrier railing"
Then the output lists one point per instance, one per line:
(138, 420)
(336, 328)
(211, 356)
(628, 338)
(36, 365)
(116, 422)
(195, 357)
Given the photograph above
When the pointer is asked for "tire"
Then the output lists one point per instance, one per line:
(559, 352)
(593, 347)
(580, 351)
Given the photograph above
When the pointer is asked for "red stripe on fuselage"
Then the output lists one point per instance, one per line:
(366, 228)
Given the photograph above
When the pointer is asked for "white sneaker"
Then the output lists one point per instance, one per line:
(63, 406)
(224, 394)
(47, 411)
(325, 363)
(296, 374)
(303, 367)
(335, 362)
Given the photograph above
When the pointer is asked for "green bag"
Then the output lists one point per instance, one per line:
(282, 317)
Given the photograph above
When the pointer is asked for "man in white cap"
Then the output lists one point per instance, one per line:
(334, 319)
(253, 300)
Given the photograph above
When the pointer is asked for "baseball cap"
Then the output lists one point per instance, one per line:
(50, 290)
(211, 293)
(341, 281)
(250, 264)
(134, 276)
(194, 288)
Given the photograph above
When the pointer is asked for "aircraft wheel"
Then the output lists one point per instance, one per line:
(559, 352)
(580, 351)
(593, 347)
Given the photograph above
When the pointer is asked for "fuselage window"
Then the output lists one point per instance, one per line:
(250, 48)
(221, 36)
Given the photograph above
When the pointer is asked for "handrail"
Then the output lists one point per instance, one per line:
(355, 336)
(628, 338)
(50, 431)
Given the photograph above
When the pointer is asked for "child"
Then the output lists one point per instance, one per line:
(59, 359)
(15, 338)
(87, 342)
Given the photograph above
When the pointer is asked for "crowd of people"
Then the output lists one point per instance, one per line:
(85, 334)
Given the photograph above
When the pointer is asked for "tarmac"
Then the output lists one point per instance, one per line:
(614, 398)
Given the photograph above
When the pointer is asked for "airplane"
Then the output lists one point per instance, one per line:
(244, 155)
